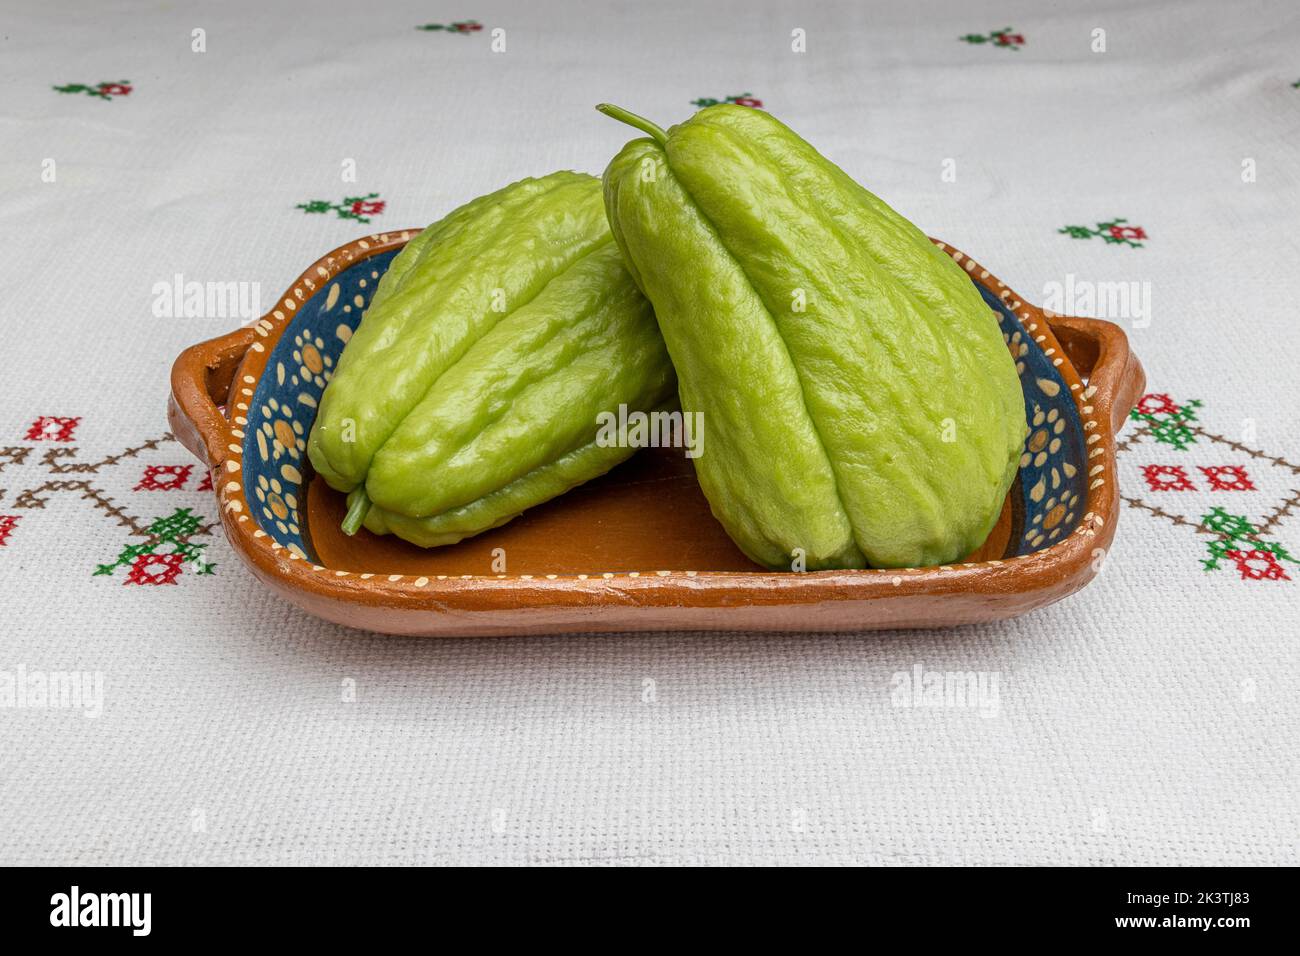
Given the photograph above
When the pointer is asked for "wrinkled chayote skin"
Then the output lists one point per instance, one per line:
(471, 389)
(862, 407)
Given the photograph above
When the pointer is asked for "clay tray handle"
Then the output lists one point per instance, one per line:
(201, 380)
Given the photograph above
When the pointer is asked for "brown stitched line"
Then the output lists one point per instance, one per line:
(1280, 512)
(51, 457)
(31, 499)
(1272, 521)
(1133, 438)
(13, 455)
(1252, 452)
(1175, 519)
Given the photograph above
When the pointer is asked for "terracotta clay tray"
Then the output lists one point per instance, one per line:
(638, 548)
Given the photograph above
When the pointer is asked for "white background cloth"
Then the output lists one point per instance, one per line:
(1152, 718)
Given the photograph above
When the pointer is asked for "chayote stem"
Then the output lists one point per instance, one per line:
(631, 119)
(356, 512)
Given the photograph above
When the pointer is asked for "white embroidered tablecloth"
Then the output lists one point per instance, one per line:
(1152, 718)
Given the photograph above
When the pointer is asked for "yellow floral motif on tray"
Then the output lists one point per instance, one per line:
(280, 435)
(279, 506)
(314, 365)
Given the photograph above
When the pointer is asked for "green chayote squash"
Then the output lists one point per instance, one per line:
(861, 405)
(472, 388)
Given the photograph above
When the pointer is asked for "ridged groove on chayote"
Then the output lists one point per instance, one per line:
(861, 404)
(474, 381)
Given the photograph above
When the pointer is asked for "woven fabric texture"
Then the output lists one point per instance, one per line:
(1149, 719)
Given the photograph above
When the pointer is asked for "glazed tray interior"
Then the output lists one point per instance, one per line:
(646, 515)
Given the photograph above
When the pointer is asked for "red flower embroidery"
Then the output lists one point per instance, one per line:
(164, 477)
(114, 89)
(1258, 565)
(49, 428)
(467, 26)
(363, 208)
(1128, 232)
(1006, 39)
(155, 569)
(748, 101)
(1228, 478)
(206, 483)
(1157, 403)
(7, 525)
(1167, 478)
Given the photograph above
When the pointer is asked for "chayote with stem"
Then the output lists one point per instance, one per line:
(862, 407)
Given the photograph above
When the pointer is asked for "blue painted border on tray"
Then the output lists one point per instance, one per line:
(1053, 465)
